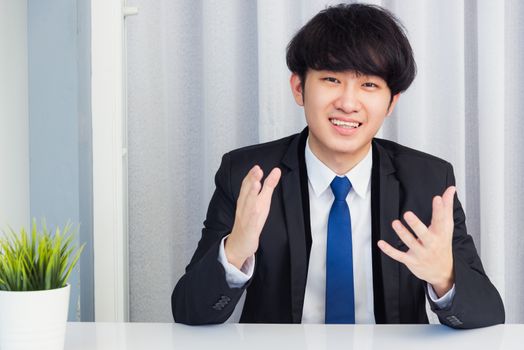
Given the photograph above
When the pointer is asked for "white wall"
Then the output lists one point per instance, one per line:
(14, 143)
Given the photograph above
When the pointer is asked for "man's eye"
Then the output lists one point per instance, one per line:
(370, 85)
(332, 80)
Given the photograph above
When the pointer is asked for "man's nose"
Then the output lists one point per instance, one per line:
(348, 101)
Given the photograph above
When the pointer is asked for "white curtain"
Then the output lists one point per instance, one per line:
(208, 76)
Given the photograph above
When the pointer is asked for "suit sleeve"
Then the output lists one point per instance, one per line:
(477, 303)
(202, 295)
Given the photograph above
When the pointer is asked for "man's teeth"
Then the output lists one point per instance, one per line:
(345, 124)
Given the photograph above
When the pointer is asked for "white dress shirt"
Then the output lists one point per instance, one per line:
(320, 201)
(359, 202)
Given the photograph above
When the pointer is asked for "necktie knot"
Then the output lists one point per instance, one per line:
(340, 187)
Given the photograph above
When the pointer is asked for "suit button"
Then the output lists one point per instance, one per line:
(221, 303)
(454, 320)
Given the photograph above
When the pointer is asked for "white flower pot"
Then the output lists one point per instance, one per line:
(33, 320)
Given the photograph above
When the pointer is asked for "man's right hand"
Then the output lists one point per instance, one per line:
(253, 205)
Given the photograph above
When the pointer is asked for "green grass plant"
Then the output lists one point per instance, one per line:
(39, 260)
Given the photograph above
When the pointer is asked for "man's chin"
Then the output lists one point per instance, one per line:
(349, 150)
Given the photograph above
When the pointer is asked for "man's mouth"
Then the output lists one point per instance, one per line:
(344, 124)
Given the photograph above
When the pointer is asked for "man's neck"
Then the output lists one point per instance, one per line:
(340, 163)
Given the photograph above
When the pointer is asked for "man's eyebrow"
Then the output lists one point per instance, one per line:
(328, 71)
(372, 76)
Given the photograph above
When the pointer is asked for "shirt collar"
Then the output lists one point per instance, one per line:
(320, 176)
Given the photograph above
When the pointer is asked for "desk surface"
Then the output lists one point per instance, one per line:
(160, 336)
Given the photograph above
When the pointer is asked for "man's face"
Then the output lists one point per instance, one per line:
(344, 111)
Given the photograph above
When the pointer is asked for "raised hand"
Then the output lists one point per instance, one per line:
(429, 256)
(252, 210)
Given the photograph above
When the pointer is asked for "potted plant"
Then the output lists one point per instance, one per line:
(34, 294)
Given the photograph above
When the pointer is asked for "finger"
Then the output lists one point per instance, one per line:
(448, 198)
(417, 226)
(269, 184)
(445, 216)
(405, 236)
(247, 185)
(438, 214)
(393, 253)
(252, 195)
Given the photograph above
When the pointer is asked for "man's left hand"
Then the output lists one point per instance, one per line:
(429, 256)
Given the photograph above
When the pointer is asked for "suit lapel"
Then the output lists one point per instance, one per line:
(296, 212)
(385, 208)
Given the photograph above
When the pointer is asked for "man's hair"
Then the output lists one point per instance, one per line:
(363, 38)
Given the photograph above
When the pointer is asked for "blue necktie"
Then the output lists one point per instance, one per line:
(340, 295)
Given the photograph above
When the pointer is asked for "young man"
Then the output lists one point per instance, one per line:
(345, 228)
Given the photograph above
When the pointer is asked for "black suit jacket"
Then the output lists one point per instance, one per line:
(402, 179)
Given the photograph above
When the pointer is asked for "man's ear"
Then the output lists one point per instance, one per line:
(392, 105)
(296, 89)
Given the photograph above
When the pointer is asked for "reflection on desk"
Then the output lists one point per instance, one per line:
(160, 336)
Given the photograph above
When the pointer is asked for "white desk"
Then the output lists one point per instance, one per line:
(163, 336)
